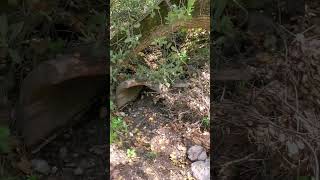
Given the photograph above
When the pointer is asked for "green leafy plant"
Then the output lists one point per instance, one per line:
(206, 122)
(167, 72)
(117, 126)
(131, 153)
(180, 13)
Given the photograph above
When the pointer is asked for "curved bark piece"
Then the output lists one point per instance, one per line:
(55, 92)
(129, 90)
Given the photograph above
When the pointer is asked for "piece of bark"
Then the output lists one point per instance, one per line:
(54, 93)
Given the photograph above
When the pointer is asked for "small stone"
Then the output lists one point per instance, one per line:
(203, 156)
(292, 148)
(41, 166)
(194, 152)
(78, 171)
(201, 170)
(54, 170)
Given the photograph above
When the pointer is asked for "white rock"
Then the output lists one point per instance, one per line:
(40, 166)
(54, 170)
(201, 170)
(194, 152)
(203, 156)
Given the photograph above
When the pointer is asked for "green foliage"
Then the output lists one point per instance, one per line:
(206, 122)
(4, 139)
(33, 177)
(167, 72)
(131, 153)
(180, 13)
(117, 126)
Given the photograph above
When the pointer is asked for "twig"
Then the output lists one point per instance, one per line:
(224, 166)
(223, 92)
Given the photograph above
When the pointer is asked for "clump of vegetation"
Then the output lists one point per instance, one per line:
(176, 57)
(206, 122)
(131, 153)
(4, 139)
(117, 126)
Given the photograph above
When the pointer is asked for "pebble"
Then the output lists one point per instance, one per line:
(41, 166)
(195, 151)
(54, 170)
(78, 171)
(203, 156)
(201, 169)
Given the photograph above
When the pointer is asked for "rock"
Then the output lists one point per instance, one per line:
(63, 152)
(40, 166)
(203, 156)
(201, 169)
(195, 151)
(78, 171)
(54, 170)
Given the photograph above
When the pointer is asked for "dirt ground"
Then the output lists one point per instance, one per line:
(161, 136)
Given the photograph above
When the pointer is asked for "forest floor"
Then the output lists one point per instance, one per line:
(268, 127)
(163, 126)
